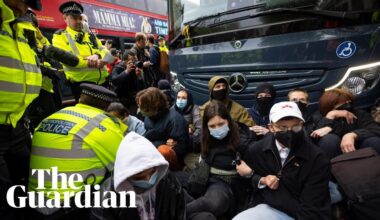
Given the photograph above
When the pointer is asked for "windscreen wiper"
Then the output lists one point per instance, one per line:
(322, 13)
(196, 22)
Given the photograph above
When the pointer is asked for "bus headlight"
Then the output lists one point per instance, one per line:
(175, 84)
(359, 79)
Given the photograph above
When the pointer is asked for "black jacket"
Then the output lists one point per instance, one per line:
(170, 202)
(126, 85)
(364, 126)
(303, 191)
(168, 124)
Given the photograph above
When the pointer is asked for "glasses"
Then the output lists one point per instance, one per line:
(283, 129)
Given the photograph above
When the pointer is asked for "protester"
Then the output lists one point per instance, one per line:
(120, 111)
(290, 174)
(265, 96)
(218, 87)
(164, 127)
(184, 105)
(222, 141)
(344, 128)
(139, 167)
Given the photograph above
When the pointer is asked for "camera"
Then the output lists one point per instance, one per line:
(138, 64)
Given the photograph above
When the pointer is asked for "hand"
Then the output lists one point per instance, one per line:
(92, 61)
(130, 66)
(190, 131)
(259, 130)
(334, 114)
(147, 64)
(348, 142)
(101, 64)
(243, 169)
(271, 181)
(171, 142)
(321, 132)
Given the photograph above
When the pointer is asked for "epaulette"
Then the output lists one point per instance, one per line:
(59, 31)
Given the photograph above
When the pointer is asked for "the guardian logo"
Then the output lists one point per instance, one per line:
(63, 196)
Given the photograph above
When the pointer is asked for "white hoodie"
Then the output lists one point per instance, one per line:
(136, 154)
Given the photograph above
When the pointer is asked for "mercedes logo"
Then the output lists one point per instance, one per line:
(237, 82)
(238, 44)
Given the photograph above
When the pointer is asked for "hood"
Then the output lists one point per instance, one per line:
(190, 101)
(212, 83)
(135, 155)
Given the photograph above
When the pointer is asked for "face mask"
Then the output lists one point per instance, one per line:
(346, 106)
(146, 184)
(220, 133)
(264, 105)
(302, 106)
(289, 138)
(147, 114)
(219, 94)
(181, 103)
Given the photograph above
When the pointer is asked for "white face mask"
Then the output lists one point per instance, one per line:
(221, 132)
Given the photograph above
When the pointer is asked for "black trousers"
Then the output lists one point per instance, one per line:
(217, 200)
(41, 107)
(15, 146)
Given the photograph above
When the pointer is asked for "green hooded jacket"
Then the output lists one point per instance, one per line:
(238, 113)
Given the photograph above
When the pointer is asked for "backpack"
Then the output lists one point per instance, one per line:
(164, 64)
(358, 174)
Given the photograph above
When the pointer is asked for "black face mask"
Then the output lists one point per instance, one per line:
(264, 105)
(289, 138)
(302, 106)
(219, 94)
(346, 106)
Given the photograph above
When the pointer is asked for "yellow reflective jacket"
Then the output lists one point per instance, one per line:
(79, 139)
(20, 75)
(66, 40)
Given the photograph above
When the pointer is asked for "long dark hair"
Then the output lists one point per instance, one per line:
(217, 108)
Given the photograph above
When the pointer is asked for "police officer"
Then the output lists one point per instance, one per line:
(20, 83)
(80, 139)
(86, 46)
(45, 104)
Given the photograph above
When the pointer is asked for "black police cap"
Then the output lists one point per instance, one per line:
(71, 7)
(98, 92)
(34, 4)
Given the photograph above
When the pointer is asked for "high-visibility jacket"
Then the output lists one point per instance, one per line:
(66, 40)
(20, 75)
(164, 48)
(79, 139)
(47, 83)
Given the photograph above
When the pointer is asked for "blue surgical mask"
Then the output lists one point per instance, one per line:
(146, 184)
(221, 132)
(181, 103)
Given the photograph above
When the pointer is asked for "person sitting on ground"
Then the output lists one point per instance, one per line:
(164, 86)
(219, 90)
(185, 106)
(164, 127)
(222, 141)
(265, 96)
(344, 128)
(140, 168)
(134, 124)
(288, 173)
